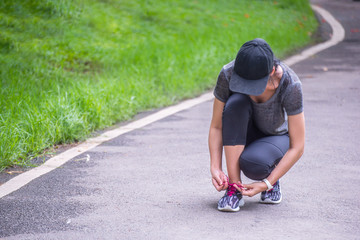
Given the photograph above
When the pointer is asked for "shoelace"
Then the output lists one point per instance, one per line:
(232, 189)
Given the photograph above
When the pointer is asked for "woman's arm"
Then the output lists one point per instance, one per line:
(296, 125)
(297, 143)
(219, 179)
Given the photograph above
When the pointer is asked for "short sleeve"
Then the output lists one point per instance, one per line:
(222, 91)
(293, 101)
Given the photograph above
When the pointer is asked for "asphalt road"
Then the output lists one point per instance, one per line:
(154, 183)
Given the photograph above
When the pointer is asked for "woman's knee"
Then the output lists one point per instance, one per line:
(254, 169)
(237, 102)
(259, 158)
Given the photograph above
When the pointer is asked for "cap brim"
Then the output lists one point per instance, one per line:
(248, 87)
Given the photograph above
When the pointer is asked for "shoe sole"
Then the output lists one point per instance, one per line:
(268, 201)
(229, 209)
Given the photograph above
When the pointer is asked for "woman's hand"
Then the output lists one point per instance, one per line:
(219, 179)
(253, 188)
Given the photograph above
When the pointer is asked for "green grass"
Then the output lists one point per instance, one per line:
(71, 67)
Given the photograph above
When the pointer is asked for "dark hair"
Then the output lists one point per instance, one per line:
(276, 64)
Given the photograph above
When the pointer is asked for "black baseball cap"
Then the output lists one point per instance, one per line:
(253, 64)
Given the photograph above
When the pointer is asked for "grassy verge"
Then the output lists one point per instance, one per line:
(70, 67)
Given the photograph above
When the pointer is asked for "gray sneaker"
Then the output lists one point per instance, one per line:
(231, 201)
(272, 196)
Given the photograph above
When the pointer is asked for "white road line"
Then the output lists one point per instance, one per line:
(55, 162)
(337, 36)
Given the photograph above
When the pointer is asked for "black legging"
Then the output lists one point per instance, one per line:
(262, 152)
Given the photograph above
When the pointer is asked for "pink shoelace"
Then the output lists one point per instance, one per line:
(232, 189)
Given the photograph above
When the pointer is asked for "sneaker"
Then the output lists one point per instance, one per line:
(231, 201)
(272, 196)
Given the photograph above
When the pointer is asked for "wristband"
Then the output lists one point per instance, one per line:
(268, 184)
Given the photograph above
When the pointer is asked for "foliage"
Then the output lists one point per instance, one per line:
(71, 67)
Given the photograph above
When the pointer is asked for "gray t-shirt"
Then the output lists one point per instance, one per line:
(271, 116)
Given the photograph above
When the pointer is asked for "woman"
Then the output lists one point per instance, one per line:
(258, 120)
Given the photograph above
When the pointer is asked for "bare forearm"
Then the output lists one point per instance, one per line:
(215, 148)
(289, 159)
